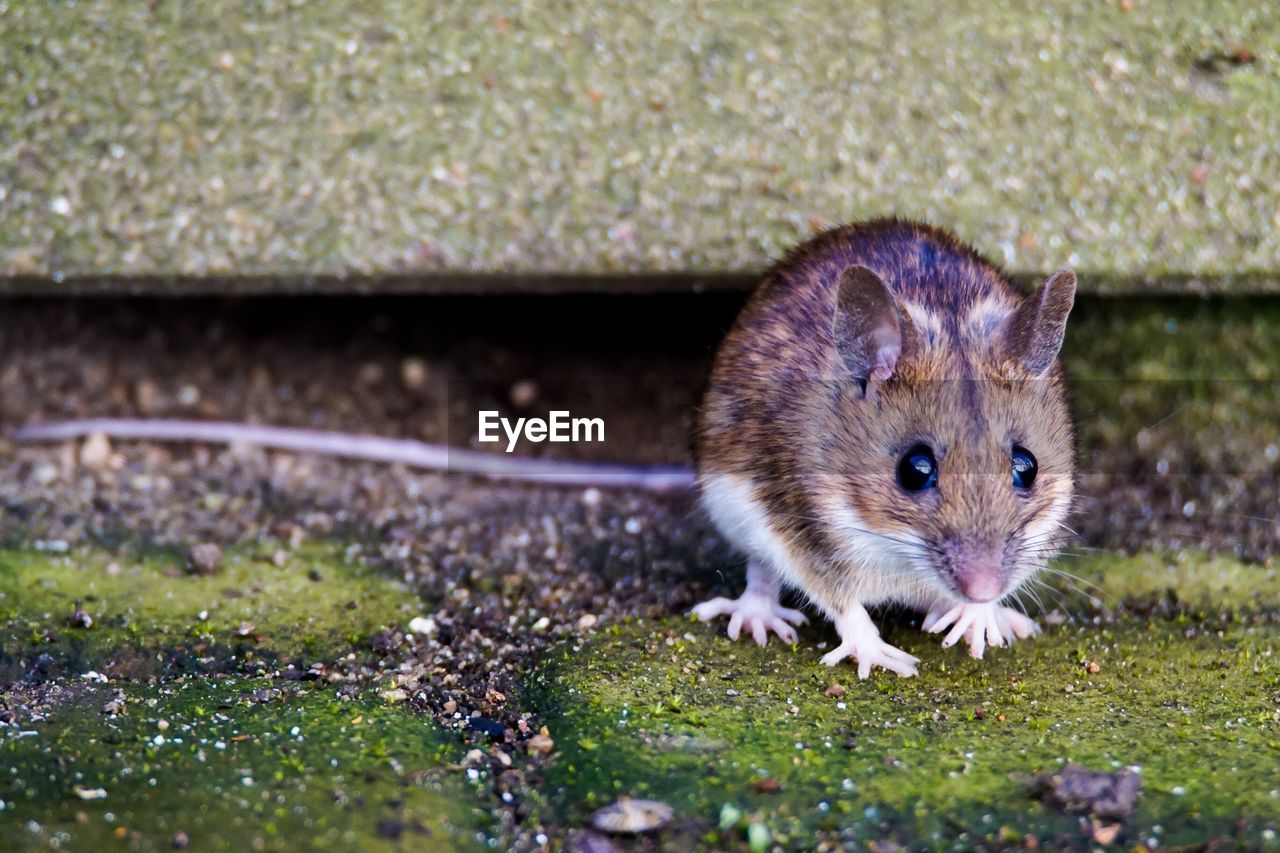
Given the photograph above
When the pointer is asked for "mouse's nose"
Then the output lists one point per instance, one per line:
(979, 576)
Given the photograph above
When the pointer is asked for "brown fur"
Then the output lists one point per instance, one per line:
(783, 411)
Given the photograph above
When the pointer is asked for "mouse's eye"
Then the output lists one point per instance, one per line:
(918, 469)
(1024, 467)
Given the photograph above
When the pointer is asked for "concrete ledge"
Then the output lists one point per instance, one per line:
(424, 146)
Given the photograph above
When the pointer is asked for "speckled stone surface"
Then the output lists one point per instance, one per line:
(410, 145)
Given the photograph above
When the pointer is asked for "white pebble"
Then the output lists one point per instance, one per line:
(424, 625)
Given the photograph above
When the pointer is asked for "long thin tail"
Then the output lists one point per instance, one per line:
(416, 454)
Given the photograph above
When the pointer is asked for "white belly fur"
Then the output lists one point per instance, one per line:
(877, 576)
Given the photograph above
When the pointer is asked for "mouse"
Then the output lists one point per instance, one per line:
(887, 423)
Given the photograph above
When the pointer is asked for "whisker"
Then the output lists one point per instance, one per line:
(906, 542)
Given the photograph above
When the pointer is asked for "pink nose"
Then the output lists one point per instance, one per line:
(979, 580)
(980, 587)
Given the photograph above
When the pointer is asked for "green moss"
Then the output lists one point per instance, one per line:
(1160, 340)
(1189, 582)
(150, 616)
(1180, 393)
(676, 712)
(234, 768)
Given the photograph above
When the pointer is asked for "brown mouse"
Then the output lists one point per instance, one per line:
(887, 422)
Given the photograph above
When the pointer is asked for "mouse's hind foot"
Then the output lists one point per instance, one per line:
(757, 614)
(981, 625)
(757, 609)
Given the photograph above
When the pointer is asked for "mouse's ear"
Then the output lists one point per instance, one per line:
(868, 325)
(1032, 335)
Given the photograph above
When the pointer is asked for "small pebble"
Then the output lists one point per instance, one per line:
(413, 373)
(524, 393)
(587, 621)
(835, 691)
(631, 817)
(115, 705)
(205, 558)
(541, 744)
(1106, 834)
(180, 840)
(767, 785)
(80, 618)
(424, 625)
(95, 452)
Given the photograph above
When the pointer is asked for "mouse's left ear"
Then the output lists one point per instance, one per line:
(1032, 335)
(870, 328)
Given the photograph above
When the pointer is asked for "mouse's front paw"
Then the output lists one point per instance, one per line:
(860, 640)
(980, 625)
(872, 651)
(759, 614)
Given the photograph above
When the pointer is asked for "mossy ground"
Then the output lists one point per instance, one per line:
(1187, 583)
(673, 710)
(219, 738)
(152, 616)
(1204, 375)
(1186, 685)
(243, 763)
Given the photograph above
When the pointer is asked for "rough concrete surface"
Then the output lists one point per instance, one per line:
(432, 146)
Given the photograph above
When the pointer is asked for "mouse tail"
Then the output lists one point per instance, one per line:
(415, 454)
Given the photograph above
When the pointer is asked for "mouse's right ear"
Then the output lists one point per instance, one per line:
(869, 325)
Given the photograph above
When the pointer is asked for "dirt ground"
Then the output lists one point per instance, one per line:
(490, 559)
